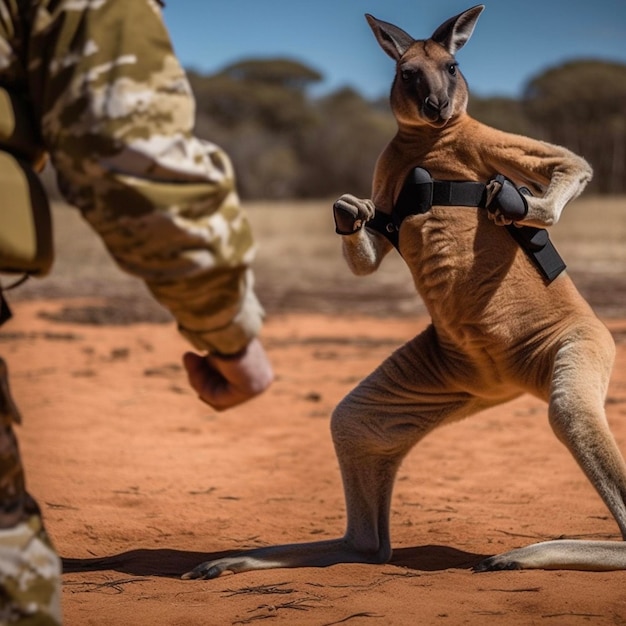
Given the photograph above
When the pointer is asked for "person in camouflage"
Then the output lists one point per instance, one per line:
(110, 104)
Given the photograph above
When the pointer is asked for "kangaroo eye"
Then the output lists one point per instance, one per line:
(452, 69)
(407, 74)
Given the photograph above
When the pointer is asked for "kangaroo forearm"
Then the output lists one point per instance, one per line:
(566, 183)
(363, 251)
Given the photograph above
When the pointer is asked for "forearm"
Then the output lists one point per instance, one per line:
(554, 174)
(225, 321)
(364, 251)
(117, 116)
(567, 182)
(194, 256)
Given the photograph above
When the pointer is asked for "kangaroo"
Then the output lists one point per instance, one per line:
(499, 327)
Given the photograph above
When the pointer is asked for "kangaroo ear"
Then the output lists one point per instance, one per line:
(455, 32)
(393, 40)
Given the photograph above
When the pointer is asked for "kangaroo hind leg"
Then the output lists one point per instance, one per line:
(373, 428)
(580, 378)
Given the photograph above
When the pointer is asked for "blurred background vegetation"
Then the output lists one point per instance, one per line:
(294, 150)
(287, 144)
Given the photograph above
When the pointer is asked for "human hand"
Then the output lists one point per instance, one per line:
(225, 382)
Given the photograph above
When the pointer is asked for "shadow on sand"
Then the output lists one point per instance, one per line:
(170, 563)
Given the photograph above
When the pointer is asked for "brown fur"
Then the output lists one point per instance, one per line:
(498, 329)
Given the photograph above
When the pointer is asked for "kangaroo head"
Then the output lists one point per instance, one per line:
(428, 87)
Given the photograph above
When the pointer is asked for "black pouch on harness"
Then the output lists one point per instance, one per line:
(537, 245)
(416, 196)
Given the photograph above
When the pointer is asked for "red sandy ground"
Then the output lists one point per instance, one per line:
(139, 482)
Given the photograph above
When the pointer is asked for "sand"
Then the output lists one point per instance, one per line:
(139, 481)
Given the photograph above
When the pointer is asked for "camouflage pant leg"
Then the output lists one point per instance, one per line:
(16, 504)
(30, 575)
(30, 570)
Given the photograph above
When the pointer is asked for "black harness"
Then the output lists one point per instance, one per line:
(420, 193)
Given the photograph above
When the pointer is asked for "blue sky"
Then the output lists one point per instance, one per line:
(513, 41)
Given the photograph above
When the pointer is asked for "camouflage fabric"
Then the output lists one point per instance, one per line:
(14, 502)
(114, 110)
(109, 103)
(30, 571)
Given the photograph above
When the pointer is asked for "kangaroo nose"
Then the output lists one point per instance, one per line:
(433, 105)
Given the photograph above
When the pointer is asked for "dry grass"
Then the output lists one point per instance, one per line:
(299, 265)
(591, 235)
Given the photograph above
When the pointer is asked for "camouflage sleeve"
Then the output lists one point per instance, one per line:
(117, 115)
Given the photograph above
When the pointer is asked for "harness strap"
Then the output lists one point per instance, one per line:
(420, 193)
(438, 193)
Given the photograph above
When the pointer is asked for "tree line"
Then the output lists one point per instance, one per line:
(286, 144)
